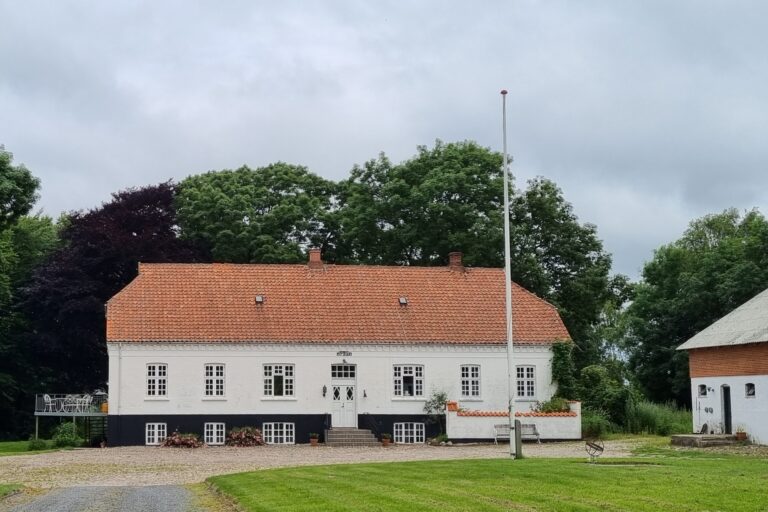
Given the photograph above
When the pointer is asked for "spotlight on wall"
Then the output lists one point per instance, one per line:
(325, 389)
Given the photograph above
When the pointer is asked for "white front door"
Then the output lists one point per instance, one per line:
(344, 410)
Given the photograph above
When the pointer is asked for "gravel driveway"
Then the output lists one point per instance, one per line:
(147, 466)
(158, 498)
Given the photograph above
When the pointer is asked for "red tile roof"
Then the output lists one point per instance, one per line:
(333, 304)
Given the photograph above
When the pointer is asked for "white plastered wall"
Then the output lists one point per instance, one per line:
(749, 412)
(244, 389)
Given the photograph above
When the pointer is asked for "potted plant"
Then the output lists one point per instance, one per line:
(741, 433)
(385, 438)
(314, 437)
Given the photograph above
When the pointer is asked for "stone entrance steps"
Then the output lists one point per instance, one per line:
(703, 440)
(350, 437)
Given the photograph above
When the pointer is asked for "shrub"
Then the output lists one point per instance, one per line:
(556, 404)
(36, 444)
(177, 440)
(595, 423)
(245, 436)
(66, 435)
(386, 436)
(644, 417)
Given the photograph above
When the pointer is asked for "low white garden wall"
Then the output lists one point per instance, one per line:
(467, 424)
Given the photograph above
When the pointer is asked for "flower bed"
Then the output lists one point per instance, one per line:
(245, 436)
(177, 440)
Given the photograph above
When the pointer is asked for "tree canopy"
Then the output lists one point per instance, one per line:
(18, 190)
(265, 215)
(719, 263)
(444, 199)
(65, 296)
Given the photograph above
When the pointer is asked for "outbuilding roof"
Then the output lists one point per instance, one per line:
(325, 304)
(747, 323)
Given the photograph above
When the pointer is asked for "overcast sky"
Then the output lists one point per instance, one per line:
(647, 114)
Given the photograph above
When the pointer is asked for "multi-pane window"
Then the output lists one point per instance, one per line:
(279, 433)
(157, 379)
(214, 380)
(408, 380)
(155, 433)
(749, 390)
(213, 433)
(526, 381)
(470, 381)
(409, 432)
(278, 380)
(342, 371)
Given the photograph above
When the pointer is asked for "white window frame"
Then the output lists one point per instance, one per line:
(470, 381)
(702, 390)
(288, 373)
(409, 432)
(279, 432)
(155, 433)
(214, 380)
(214, 433)
(343, 371)
(746, 390)
(414, 371)
(157, 380)
(525, 382)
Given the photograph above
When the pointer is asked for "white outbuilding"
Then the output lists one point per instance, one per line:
(729, 372)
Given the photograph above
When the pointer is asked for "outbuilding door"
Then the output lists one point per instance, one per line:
(727, 421)
(343, 396)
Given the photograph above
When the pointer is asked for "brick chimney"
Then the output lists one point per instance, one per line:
(454, 261)
(315, 261)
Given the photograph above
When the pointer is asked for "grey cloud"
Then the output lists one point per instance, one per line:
(646, 113)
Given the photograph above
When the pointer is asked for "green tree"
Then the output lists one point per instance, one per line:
(23, 246)
(265, 215)
(561, 260)
(445, 198)
(719, 263)
(18, 190)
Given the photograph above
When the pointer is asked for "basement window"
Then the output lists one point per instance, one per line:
(749, 390)
(409, 433)
(279, 433)
(702, 390)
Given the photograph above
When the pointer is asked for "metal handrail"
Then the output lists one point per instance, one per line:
(70, 403)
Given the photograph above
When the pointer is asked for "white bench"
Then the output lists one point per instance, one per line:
(527, 432)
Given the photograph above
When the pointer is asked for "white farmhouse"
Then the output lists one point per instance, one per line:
(729, 372)
(295, 349)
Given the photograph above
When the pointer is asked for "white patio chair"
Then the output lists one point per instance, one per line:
(48, 403)
(84, 403)
(70, 403)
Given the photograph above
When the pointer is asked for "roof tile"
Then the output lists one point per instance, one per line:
(335, 304)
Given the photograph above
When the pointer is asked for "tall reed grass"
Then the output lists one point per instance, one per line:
(644, 417)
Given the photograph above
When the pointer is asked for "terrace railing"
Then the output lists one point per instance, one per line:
(71, 404)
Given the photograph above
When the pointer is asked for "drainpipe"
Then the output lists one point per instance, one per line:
(119, 374)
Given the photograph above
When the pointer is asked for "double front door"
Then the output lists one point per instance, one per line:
(343, 396)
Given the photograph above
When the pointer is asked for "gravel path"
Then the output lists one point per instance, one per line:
(146, 465)
(159, 498)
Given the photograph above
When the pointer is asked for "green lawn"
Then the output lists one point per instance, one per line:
(6, 489)
(658, 480)
(19, 448)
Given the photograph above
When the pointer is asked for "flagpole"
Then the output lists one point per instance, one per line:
(508, 284)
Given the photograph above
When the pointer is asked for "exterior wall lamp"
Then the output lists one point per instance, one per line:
(325, 390)
(365, 395)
